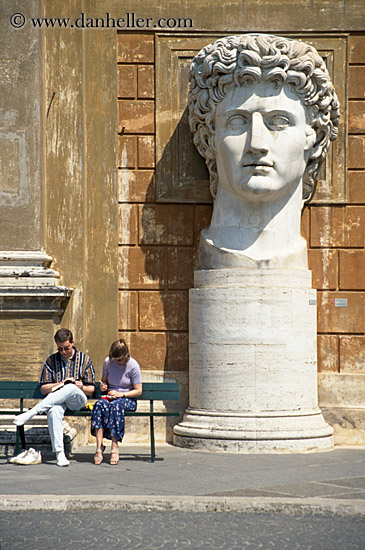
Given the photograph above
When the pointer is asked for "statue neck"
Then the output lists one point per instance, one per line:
(260, 231)
(280, 215)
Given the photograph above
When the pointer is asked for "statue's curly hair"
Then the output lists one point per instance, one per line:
(244, 59)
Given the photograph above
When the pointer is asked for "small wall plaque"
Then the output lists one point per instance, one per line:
(340, 302)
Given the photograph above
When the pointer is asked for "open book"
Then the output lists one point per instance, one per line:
(61, 384)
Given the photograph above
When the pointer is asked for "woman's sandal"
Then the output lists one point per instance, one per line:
(98, 456)
(114, 458)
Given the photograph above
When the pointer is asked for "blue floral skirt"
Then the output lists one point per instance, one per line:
(109, 415)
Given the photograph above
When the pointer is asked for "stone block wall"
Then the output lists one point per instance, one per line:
(158, 241)
(336, 238)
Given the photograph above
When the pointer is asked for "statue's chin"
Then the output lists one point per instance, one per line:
(263, 189)
(259, 189)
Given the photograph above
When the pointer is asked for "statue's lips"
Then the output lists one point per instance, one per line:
(262, 167)
(254, 164)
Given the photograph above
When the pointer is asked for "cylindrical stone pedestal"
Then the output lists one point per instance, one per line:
(253, 367)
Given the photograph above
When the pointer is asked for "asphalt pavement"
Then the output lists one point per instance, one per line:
(157, 530)
(190, 481)
(186, 499)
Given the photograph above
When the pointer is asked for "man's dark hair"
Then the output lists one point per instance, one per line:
(63, 334)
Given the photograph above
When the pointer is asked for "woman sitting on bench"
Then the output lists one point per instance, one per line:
(122, 382)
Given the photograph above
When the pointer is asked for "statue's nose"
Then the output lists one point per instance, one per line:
(257, 139)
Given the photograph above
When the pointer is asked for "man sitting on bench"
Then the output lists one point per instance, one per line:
(67, 379)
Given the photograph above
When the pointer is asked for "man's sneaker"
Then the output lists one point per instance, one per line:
(68, 431)
(20, 455)
(31, 457)
(23, 418)
(62, 460)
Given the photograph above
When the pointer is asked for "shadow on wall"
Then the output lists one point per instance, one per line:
(169, 237)
(181, 173)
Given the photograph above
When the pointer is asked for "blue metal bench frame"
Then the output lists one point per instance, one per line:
(152, 391)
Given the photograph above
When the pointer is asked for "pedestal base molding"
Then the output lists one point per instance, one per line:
(285, 431)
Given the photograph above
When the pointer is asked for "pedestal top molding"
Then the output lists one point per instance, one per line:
(259, 278)
(26, 268)
(28, 286)
(24, 257)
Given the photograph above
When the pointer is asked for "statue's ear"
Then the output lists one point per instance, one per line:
(316, 141)
(311, 138)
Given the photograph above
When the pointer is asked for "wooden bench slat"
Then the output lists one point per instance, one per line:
(17, 394)
(31, 390)
(127, 413)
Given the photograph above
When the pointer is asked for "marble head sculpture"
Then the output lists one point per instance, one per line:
(262, 110)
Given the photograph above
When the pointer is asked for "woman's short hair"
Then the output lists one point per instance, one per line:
(245, 59)
(119, 350)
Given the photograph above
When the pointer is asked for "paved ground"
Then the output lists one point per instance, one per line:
(186, 499)
(87, 530)
(337, 474)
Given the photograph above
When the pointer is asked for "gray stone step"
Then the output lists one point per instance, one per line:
(36, 435)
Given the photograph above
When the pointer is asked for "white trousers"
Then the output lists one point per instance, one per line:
(55, 404)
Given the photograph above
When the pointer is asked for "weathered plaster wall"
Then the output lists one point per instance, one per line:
(80, 197)
(20, 130)
(236, 15)
(58, 181)
(24, 340)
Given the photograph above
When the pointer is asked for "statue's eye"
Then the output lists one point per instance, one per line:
(278, 122)
(237, 122)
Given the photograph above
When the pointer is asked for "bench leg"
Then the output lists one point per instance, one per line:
(152, 435)
(19, 435)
